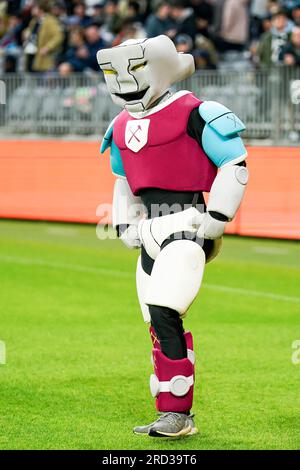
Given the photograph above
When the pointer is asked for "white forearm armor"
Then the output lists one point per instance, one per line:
(128, 210)
(225, 197)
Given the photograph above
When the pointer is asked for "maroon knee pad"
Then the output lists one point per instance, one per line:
(173, 380)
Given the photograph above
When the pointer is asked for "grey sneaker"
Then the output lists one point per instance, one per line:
(193, 430)
(143, 430)
(171, 425)
(167, 425)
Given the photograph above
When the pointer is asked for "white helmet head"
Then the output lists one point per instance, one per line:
(138, 72)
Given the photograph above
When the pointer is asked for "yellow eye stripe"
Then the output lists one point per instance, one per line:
(134, 69)
(109, 72)
(139, 66)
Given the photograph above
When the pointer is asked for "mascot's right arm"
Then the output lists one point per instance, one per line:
(128, 209)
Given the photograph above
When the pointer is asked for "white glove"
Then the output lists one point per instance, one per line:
(130, 237)
(211, 228)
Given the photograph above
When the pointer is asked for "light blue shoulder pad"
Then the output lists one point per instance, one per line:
(115, 156)
(220, 118)
(220, 139)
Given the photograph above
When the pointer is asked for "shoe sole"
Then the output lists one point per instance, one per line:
(182, 433)
(193, 431)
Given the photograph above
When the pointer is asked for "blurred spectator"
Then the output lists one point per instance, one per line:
(97, 15)
(80, 16)
(273, 41)
(259, 11)
(204, 16)
(68, 32)
(203, 60)
(93, 42)
(290, 54)
(205, 53)
(132, 26)
(12, 37)
(266, 24)
(58, 9)
(98, 12)
(10, 44)
(112, 21)
(83, 47)
(295, 13)
(43, 39)
(184, 43)
(91, 4)
(184, 18)
(145, 8)
(273, 6)
(234, 26)
(134, 11)
(72, 61)
(129, 30)
(3, 17)
(160, 22)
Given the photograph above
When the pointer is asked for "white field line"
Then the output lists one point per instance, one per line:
(252, 293)
(67, 266)
(127, 274)
(62, 231)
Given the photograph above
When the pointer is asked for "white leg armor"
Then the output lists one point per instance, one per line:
(142, 285)
(153, 232)
(176, 276)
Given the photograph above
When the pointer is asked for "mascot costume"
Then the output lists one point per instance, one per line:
(166, 149)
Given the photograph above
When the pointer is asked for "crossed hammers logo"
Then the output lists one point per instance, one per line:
(133, 134)
(232, 117)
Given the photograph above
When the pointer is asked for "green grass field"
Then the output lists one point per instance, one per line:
(78, 352)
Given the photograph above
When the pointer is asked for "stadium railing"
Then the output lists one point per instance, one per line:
(266, 100)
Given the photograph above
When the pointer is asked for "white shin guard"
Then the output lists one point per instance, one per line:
(176, 276)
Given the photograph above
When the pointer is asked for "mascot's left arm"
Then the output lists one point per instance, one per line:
(128, 209)
(217, 130)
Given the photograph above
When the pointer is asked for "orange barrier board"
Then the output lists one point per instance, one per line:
(53, 180)
(271, 207)
(66, 181)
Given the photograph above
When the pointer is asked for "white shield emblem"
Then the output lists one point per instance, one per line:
(136, 134)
